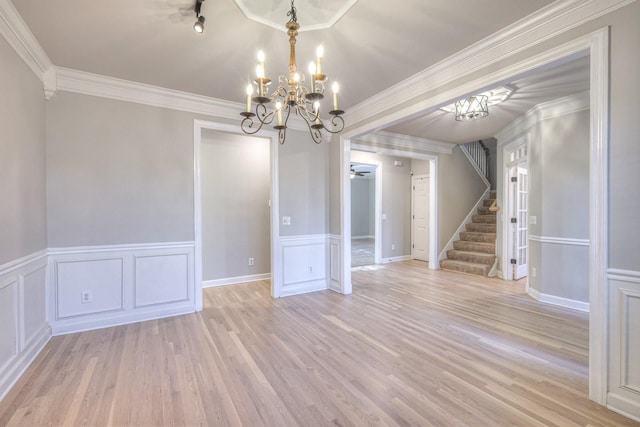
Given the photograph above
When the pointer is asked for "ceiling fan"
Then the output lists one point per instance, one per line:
(355, 173)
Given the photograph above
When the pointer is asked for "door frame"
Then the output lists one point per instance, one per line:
(276, 265)
(428, 176)
(507, 200)
(377, 208)
(596, 46)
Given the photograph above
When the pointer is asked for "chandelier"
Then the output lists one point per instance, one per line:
(291, 95)
(473, 107)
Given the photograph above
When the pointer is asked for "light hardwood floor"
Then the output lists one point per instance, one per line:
(410, 346)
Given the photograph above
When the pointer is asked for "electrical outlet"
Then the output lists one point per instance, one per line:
(393, 247)
(310, 269)
(251, 261)
(85, 297)
(533, 220)
(286, 220)
(534, 272)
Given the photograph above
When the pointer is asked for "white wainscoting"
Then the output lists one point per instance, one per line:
(335, 262)
(624, 336)
(100, 286)
(23, 321)
(304, 264)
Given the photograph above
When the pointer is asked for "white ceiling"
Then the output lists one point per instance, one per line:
(375, 45)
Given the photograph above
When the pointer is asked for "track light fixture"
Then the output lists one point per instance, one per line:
(198, 27)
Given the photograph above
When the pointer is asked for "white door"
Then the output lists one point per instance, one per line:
(520, 185)
(420, 217)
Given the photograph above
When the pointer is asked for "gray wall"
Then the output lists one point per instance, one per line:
(22, 159)
(236, 183)
(362, 206)
(559, 198)
(304, 184)
(396, 201)
(117, 172)
(459, 189)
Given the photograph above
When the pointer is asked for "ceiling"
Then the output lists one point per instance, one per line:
(374, 45)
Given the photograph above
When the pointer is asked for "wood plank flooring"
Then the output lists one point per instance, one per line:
(409, 347)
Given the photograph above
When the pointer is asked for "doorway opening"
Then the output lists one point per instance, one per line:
(365, 213)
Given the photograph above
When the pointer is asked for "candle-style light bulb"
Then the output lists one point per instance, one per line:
(312, 71)
(335, 87)
(296, 78)
(249, 93)
(316, 108)
(261, 61)
(319, 53)
(279, 109)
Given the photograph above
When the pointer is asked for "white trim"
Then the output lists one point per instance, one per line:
(406, 142)
(545, 111)
(17, 365)
(516, 143)
(616, 402)
(362, 237)
(560, 240)
(22, 262)
(235, 280)
(546, 23)
(21, 39)
(623, 275)
(433, 196)
(118, 248)
(466, 153)
(276, 271)
(397, 259)
(461, 227)
(559, 301)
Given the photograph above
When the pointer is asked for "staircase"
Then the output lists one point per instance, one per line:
(475, 252)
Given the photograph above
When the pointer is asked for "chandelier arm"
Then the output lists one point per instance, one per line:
(338, 124)
(247, 124)
(263, 116)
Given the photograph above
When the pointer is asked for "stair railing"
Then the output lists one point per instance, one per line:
(479, 154)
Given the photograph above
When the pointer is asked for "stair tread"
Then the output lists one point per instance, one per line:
(465, 267)
(467, 263)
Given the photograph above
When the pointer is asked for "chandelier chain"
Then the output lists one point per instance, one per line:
(292, 13)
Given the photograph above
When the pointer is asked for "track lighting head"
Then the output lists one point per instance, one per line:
(199, 25)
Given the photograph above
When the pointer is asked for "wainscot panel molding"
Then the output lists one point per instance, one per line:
(335, 262)
(101, 286)
(555, 300)
(560, 240)
(24, 330)
(236, 280)
(624, 327)
(304, 264)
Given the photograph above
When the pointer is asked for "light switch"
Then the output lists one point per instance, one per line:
(533, 220)
(384, 216)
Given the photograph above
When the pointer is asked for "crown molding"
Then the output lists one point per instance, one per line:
(545, 111)
(21, 39)
(534, 29)
(406, 142)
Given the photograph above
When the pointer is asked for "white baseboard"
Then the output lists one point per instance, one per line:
(624, 406)
(19, 364)
(559, 301)
(304, 288)
(235, 280)
(396, 259)
(362, 237)
(120, 318)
